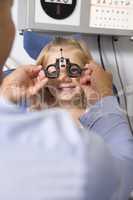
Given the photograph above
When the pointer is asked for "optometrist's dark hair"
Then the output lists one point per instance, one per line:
(6, 1)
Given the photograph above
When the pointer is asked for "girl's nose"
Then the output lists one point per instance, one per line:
(64, 76)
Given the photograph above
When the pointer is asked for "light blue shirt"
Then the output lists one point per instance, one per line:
(107, 119)
(44, 151)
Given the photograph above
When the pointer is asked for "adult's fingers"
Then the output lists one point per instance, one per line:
(33, 70)
(85, 80)
(41, 75)
(38, 86)
(41, 84)
(93, 67)
(87, 71)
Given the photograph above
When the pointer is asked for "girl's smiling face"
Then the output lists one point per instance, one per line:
(66, 88)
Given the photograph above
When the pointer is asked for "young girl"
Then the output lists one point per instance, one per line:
(64, 91)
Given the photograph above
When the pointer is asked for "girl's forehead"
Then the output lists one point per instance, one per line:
(75, 54)
(65, 51)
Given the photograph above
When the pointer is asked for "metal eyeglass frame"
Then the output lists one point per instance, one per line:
(62, 62)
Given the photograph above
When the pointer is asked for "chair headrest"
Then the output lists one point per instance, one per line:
(34, 42)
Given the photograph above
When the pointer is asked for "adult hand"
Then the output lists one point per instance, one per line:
(23, 84)
(96, 83)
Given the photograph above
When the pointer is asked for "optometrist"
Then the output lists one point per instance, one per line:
(41, 157)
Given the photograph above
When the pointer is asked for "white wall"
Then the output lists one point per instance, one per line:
(124, 53)
(18, 52)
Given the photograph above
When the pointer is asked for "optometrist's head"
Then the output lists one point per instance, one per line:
(66, 87)
(7, 29)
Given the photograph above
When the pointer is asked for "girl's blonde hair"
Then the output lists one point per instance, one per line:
(78, 44)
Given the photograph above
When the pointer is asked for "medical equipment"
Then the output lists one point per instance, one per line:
(112, 17)
(58, 9)
(73, 70)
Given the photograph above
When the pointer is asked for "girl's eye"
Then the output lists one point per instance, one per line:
(51, 69)
(75, 70)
